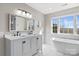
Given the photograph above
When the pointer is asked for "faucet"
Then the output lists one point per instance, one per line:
(18, 33)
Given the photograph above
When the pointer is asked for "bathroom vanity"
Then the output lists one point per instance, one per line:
(23, 45)
(26, 45)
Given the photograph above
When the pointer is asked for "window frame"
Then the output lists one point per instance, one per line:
(75, 24)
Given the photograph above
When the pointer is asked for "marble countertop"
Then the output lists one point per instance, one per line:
(10, 37)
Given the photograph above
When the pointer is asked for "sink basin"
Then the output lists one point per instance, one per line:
(12, 37)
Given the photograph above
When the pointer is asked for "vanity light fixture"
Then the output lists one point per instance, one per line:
(28, 15)
(23, 13)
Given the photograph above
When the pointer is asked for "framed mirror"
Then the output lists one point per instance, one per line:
(18, 23)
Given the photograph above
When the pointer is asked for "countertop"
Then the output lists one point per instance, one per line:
(10, 37)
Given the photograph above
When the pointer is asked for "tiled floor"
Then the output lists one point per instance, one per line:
(49, 50)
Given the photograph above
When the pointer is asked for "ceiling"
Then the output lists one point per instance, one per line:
(47, 8)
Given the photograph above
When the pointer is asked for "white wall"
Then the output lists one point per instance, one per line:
(48, 35)
(8, 8)
(1, 44)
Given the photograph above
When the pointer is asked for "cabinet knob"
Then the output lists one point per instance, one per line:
(37, 38)
(24, 42)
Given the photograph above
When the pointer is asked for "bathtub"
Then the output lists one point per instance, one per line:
(67, 46)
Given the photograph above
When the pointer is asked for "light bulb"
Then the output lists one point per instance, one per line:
(23, 13)
(27, 14)
(18, 12)
(30, 16)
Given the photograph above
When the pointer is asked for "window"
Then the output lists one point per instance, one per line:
(54, 25)
(77, 22)
(66, 24)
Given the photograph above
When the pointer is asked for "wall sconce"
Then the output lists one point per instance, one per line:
(23, 13)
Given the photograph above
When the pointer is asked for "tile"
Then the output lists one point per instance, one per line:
(49, 50)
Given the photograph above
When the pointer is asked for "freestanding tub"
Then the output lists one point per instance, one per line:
(67, 46)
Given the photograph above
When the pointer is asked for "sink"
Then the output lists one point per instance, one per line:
(12, 37)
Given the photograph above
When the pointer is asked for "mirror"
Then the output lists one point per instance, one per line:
(18, 23)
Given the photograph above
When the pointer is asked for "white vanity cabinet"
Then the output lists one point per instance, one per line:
(36, 44)
(26, 46)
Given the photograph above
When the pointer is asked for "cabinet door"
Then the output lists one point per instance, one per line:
(39, 42)
(34, 44)
(17, 47)
(26, 47)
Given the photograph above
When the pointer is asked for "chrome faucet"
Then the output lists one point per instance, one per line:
(18, 33)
